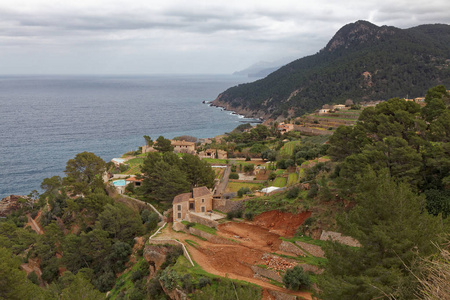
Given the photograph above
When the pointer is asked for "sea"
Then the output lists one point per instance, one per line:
(47, 120)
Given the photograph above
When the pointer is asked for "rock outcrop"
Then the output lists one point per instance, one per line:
(155, 255)
(12, 203)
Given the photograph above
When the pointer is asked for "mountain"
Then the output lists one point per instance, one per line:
(261, 69)
(361, 62)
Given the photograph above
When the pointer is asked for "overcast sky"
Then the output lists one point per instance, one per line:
(185, 36)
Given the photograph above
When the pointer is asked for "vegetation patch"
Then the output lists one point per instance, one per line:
(236, 186)
(293, 178)
(280, 182)
(288, 148)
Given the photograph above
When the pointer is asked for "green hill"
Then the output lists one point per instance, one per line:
(361, 62)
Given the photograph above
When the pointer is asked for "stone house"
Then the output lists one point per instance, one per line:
(339, 106)
(199, 201)
(213, 153)
(283, 128)
(183, 147)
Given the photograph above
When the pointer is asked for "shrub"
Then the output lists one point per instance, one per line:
(187, 283)
(33, 278)
(272, 176)
(249, 215)
(234, 175)
(136, 275)
(249, 168)
(292, 193)
(296, 278)
(313, 191)
(204, 281)
(281, 164)
(237, 213)
(243, 191)
(190, 224)
(248, 158)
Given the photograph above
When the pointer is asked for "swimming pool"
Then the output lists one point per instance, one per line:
(119, 182)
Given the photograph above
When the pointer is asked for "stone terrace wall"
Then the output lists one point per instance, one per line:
(267, 273)
(291, 248)
(338, 237)
(227, 205)
(203, 221)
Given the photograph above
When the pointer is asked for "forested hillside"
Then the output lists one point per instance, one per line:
(361, 62)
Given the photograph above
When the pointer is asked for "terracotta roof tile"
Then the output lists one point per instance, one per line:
(181, 198)
(200, 191)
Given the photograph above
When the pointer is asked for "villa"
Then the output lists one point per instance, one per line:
(197, 202)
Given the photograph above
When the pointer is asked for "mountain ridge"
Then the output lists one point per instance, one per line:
(362, 61)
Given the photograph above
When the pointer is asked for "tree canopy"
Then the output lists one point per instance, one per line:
(84, 173)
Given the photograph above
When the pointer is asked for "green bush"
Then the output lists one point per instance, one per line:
(243, 191)
(33, 278)
(234, 214)
(296, 278)
(204, 281)
(249, 215)
(293, 193)
(234, 175)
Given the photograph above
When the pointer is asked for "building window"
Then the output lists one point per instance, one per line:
(203, 200)
(179, 215)
(179, 206)
(203, 209)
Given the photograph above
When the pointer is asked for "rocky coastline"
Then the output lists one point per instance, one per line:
(247, 113)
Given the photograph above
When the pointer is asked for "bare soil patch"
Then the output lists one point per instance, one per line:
(251, 235)
(281, 223)
(253, 244)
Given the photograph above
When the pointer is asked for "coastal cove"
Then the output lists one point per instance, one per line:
(47, 120)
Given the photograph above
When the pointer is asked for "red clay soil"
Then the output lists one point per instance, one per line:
(234, 260)
(250, 235)
(281, 223)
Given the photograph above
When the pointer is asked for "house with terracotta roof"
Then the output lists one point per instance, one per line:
(199, 201)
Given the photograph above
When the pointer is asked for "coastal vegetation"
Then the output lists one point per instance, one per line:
(383, 182)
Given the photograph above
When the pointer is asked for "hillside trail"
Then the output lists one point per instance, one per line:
(233, 260)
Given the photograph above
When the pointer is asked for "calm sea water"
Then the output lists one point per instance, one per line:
(45, 121)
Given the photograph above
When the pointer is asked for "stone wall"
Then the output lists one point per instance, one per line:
(281, 296)
(338, 237)
(227, 205)
(203, 221)
(266, 273)
(311, 249)
(291, 248)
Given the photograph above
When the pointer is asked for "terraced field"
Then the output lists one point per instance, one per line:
(280, 182)
(292, 179)
(288, 148)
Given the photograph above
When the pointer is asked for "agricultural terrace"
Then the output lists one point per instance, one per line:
(288, 148)
(233, 187)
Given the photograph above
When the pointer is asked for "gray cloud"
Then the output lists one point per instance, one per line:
(229, 35)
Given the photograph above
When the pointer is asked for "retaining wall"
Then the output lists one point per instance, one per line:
(267, 273)
(203, 221)
(291, 248)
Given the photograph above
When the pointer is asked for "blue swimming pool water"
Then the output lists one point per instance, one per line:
(119, 182)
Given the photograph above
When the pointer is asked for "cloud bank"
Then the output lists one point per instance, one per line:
(141, 37)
